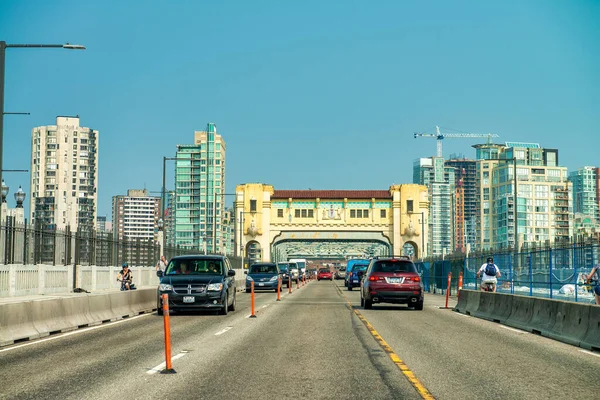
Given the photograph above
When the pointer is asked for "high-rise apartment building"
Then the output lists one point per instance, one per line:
(135, 216)
(543, 209)
(64, 175)
(585, 192)
(440, 181)
(466, 202)
(199, 192)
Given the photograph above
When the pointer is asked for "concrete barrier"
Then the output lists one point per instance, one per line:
(486, 306)
(99, 305)
(521, 313)
(591, 340)
(120, 306)
(501, 306)
(543, 317)
(49, 316)
(32, 319)
(571, 322)
(468, 302)
(16, 323)
(77, 312)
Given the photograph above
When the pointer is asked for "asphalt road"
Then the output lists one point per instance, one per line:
(311, 344)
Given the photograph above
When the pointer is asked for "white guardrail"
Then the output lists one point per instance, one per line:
(26, 280)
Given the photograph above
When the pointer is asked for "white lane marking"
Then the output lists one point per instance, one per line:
(265, 306)
(222, 331)
(75, 332)
(163, 365)
(463, 315)
(590, 353)
(512, 329)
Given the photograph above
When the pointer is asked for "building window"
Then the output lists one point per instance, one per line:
(409, 206)
(280, 213)
(382, 213)
(302, 213)
(252, 205)
(359, 213)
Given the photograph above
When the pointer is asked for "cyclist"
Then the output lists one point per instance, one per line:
(595, 277)
(125, 277)
(489, 273)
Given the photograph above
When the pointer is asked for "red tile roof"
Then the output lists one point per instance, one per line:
(331, 194)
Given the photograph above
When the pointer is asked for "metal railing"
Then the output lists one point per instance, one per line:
(557, 272)
(32, 245)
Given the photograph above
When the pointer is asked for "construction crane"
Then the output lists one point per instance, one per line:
(440, 136)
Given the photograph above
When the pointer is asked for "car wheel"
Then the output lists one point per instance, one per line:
(419, 306)
(362, 302)
(349, 287)
(368, 304)
(159, 309)
(248, 290)
(232, 306)
(225, 309)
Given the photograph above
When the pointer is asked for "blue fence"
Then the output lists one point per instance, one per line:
(556, 273)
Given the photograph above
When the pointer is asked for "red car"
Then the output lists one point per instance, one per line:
(324, 273)
(392, 280)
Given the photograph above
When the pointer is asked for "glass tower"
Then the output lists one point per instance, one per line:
(199, 189)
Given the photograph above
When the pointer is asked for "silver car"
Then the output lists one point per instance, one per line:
(340, 273)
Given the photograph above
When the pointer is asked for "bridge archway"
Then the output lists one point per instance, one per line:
(329, 245)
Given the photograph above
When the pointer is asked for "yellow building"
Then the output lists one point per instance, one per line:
(282, 224)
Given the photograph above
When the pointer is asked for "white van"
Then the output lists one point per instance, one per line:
(301, 263)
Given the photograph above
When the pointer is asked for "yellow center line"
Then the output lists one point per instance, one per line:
(417, 384)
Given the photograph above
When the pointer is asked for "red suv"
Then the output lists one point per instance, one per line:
(324, 273)
(392, 280)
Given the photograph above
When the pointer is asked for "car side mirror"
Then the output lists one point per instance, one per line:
(231, 272)
(159, 273)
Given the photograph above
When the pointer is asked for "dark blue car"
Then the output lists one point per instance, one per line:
(354, 277)
(264, 275)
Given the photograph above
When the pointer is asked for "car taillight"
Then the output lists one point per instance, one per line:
(375, 278)
(414, 278)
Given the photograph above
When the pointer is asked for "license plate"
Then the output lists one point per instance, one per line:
(395, 280)
(188, 299)
(261, 284)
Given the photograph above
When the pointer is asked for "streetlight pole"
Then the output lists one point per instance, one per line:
(3, 47)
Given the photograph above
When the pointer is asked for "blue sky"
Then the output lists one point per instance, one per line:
(317, 94)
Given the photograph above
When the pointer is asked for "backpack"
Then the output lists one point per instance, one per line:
(490, 270)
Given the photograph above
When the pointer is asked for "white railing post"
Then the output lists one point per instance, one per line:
(12, 280)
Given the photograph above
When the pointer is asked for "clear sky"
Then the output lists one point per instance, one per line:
(317, 94)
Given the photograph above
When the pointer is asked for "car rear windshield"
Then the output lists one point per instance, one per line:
(323, 270)
(394, 266)
(263, 269)
(359, 267)
(194, 267)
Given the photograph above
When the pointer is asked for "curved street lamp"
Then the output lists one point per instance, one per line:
(3, 47)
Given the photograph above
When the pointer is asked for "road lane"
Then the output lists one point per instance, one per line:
(309, 345)
(452, 354)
